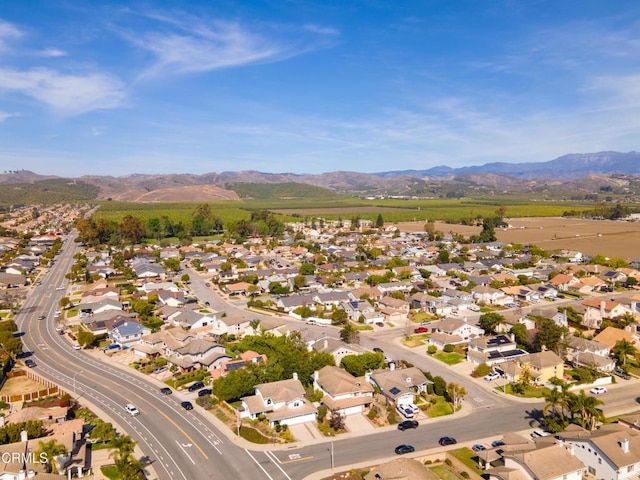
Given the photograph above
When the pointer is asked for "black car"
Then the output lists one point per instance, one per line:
(29, 363)
(444, 441)
(42, 317)
(187, 405)
(196, 386)
(166, 391)
(408, 424)
(497, 443)
(402, 449)
(205, 391)
(378, 350)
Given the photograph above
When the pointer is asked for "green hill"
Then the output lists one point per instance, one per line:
(279, 191)
(58, 190)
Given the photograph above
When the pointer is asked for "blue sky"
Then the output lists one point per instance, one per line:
(305, 86)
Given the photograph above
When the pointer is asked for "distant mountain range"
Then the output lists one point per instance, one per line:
(573, 165)
(569, 175)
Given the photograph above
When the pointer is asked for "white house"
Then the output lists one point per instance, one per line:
(343, 393)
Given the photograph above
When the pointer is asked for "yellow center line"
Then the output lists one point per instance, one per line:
(61, 366)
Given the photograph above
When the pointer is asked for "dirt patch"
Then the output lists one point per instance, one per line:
(592, 237)
(20, 385)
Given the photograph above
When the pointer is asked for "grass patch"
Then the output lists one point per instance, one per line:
(439, 408)
(100, 446)
(529, 391)
(415, 340)
(452, 358)
(254, 436)
(110, 471)
(362, 327)
(468, 457)
(443, 472)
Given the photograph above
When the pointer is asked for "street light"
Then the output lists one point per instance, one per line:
(74, 382)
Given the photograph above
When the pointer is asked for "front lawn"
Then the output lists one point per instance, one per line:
(529, 391)
(415, 340)
(439, 408)
(110, 471)
(443, 472)
(449, 358)
(468, 457)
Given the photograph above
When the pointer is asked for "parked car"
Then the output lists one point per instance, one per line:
(420, 330)
(166, 391)
(491, 376)
(113, 346)
(187, 405)
(478, 447)
(405, 410)
(402, 449)
(75, 346)
(598, 390)
(195, 386)
(407, 424)
(160, 369)
(622, 374)
(444, 441)
(29, 363)
(205, 391)
(497, 443)
(132, 409)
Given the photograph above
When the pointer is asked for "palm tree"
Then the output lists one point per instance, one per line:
(622, 349)
(587, 408)
(122, 455)
(49, 450)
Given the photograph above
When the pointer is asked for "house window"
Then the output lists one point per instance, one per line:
(592, 470)
(630, 468)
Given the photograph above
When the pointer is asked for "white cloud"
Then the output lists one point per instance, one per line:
(321, 30)
(8, 32)
(66, 94)
(7, 115)
(52, 52)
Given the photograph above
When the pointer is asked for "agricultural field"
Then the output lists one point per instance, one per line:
(618, 239)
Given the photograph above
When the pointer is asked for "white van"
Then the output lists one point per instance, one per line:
(537, 433)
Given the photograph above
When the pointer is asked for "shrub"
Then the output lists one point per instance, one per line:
(481, 370)
(322, 413)
(431, 349)
(448, 461)
(464, 474)
(372, 414)
(448, 348)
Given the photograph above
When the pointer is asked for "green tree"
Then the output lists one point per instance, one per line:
(299, 281)
(172, 264)
(47, 451)
(64, 302)
(551, 335)
(103, 432)
(623, 349)
(307, 269)
(132, 229)
(86, 339)
(489, 321)
(338, 316)
(439, 386)
(185, 278)
(358, 365)
(379, 221)
(456, 394)
(349, 334)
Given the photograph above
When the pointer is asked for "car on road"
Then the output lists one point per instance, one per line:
(132, 409)
(207, 284)
(205, 391)
(166, 391)
(402, 449)
(207, 304)
(598, 390)
(478, 447)
(29, 363)
(42, 317)
(497, 443)
(621, 373)
(420, 330)
(195, 386)
(378, 350)
(444, 441)
(187, 405)
(491, 376)
(407, 424)
(75, 346)
(61, 287)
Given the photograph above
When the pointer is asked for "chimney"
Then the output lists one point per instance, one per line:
(316, 376)
(624, 444)
(392, 366)
(24, 436)
(295, 375)
(326, 343)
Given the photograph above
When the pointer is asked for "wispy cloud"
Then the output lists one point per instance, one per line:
(8, 32)
(65, 94)
(322, 30)
(7, 115)
(182, 44)
(51, 53)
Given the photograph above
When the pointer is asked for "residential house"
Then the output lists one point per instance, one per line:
(545, 461)
(425, 302)
(589, 353)
(492, 350)
(282, 402)
(399, 386)
(402, 468)
(127, 333)
(490, 296)
(453, 331)
(199, 353)
(611, 335)
(335, 347)
(230, 325)
(192, 319)
(611, 452)
(599, 309)
(539, 367)
(246, 358)
(343, 393)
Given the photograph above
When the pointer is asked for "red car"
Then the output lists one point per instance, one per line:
(421, 330)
